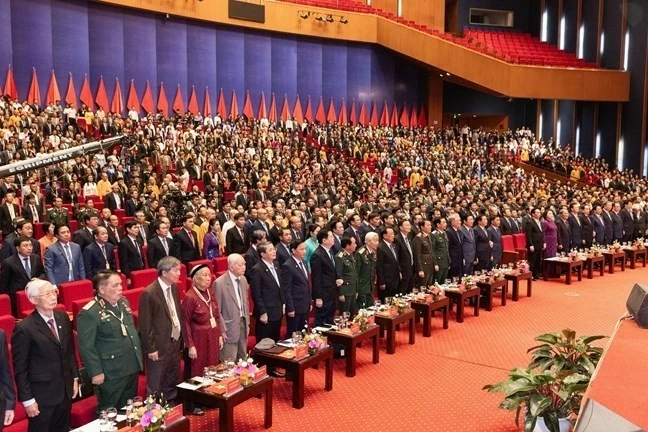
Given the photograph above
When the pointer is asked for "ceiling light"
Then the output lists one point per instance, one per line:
(448, 73)
(304, 14)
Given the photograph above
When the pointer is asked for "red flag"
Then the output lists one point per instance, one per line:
(394, 117)
(133, 99)
(221, 109)
(353, 118)
(192, 106)
(285, 110)
(10, 88)
(261, 113)
(309, 111)
(298, 114)
(272, 115)
(234, 106)
(53, 93)
(147, 99)
(101, 98)
(331, 117)
(33, 97)
(373, 120)
(412, 121)
(207, 104)
(117, 105)
(70, 95)
(247, 106)
(320, 115)
(384, 117)
(178, 103)
(404, 118)
(342, 116)
(422, 119)
(163, 102)
(363, 119)
(86, 94)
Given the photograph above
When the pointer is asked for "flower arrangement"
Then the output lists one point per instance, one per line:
(362, 318)
(467, 281)
(616, 246)
(314, 341)
(523, 266)
(399, 302)
(595, 251)
(573, 255)
(245, 369)
(639, 243)
(152, 413)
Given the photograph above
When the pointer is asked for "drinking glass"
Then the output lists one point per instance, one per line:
(129, 412)
(377, 305)
(338, 321)
(415, 291)
(296, 337)
(111, 415)
(388, 300)
(103, 421)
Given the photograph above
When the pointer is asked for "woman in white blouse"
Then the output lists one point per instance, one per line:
(90, 187)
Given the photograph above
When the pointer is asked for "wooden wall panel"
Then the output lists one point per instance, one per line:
(435, 100)
(386, 5)
(428, 12)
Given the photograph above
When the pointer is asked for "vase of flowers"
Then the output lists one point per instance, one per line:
(362, 319)
(523, 266)
(616, 246)
(400, 303)
(314, 341)
(152, 413)
(573, 255)
(639, 243)
(245, 369)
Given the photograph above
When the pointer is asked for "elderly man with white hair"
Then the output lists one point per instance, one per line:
(231, 291)
(45, 368)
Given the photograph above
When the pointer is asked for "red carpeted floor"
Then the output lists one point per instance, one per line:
(435, 385)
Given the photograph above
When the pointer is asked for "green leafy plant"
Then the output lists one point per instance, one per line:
(552, 386)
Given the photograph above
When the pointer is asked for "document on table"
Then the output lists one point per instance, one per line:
(94, 426)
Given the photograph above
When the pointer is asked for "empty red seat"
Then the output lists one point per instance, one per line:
(7, 323)
(5, 304)
(143, 278)
(71, 291)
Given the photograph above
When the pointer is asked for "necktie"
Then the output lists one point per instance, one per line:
(332, 257)
(274, 274)
(139, 252)
(175, 333)
(53, 329)
(165, 245)
(116, 231)
(103, 251)
(190, 235)
(34, 213)
(393, 249)
(240, 296)
(409, 248)
(27, 267)
(68, 256)
(357, 237)
(301, 265)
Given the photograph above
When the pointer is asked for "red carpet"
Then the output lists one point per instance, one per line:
(435, 385)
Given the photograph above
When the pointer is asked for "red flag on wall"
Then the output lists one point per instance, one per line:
(404, 118)
(86, 94)
(147, 99)
(331, 117)
(163, 102)
(221, 109)
(70, 95)
(353, 118)
(422, 119)
(272, 115)
(101, 98)
(261, 113)
(394, 116)
(53, 93)
(285, 110)
(384, 117)
(234, 112)
(309, 111)
(207, 112)
(117, 105)
(10, 88)
(178, 102)
(298, 114)
(33, 97)
(320, 115)
(133, 99)
(373, 120)
(413, 119)
(192, 106)
(342, 116)
(247, 106)
(363, 119)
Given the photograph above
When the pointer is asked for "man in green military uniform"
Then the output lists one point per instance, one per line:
(58, 215)
(108, 342)
(441, 253)
(345, 267)
(365, 258)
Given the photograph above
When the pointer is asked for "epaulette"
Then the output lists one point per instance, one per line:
(89, 304)
(361, 250)
(340, 254)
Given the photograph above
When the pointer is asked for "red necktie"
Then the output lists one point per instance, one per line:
(51, 326)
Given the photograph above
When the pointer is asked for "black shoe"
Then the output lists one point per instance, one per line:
(277, 374)
(197, 412)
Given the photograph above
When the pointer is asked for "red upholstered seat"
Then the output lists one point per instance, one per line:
(220, 264)
(74, 225)
(133, 297)
(5, 304)
(83, 411)
(71, 291)
(38, 230)
(77, 305)
(519, 240)
(7, 323)
(509, 254)
(25, 307)
(143, 278)
(193, 264)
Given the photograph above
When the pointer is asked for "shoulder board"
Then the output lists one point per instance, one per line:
(89, 304)
(361, 250)
(340, 254)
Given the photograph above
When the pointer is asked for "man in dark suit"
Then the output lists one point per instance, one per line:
(99, 255)
(535, 243)
(575, 227)
(236, 239)
(324, 279)
(388, 272)
(242, 199)
(31, 211)
(45, 366)
(599, 225)
(564, 231)
(405, 256)
(627, 220)
(19, 269)
(283, 246)
(609, 224)
(640, 221)
(355, 224)
(130, 250)
(455, 246)
(115, 199)
(8, 212)
(617, 223)
(261, 223)
(160, 324)
(252, 256)
(468, 245)
(160, 245)
(587, 226)
(337, 228)
(23, 228)
(7, 392)
(185, 241)
(483, 245)
(296, 288)
(115, 232)
(85, 236)
(495, 237)
(132, 204)
(423, 255)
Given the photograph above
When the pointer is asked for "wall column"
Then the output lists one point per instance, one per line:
(435, 100)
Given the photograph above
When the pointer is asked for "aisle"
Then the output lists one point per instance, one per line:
(435, 385)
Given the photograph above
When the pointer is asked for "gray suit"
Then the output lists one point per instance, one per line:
(235, 327)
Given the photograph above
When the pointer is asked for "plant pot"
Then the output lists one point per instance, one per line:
(564, 424)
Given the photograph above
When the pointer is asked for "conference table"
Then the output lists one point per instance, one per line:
(350, 341)
(388, 324)
(426, 309)
(634, 254)
(593, 260)
(565, 265)
(460, 296)
(488, 288)
(612, 257)
(516, 277)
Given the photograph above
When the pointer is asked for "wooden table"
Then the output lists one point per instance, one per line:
(351, 342)
(516, 278)
(634, 254)
(612, 257)
(296, 369)
(566, 266)
(488, 288)
(426, 309)
(589, 265)
(460, 297)
(226, 403)
(389, 323)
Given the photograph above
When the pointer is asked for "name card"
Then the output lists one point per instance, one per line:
(137, 428)
(301, 352)
(232, 385)
(355, 328)
(261, 373)
(173, 415)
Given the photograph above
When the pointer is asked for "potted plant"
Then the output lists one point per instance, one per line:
(551, 388)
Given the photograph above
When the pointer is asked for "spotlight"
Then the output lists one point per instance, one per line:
(304, 14)
(329, 18)
(319, 18)
(344, 21)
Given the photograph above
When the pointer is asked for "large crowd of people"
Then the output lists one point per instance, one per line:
(310, 216)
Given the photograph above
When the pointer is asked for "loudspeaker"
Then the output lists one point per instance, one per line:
(595, 417)
(637, 304)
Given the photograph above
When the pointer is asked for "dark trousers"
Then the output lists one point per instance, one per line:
(324, 314)
(442, 274)
(271, 330)
(535, 261)
(51, 418)
(364, 300)
(348, 305)
(406, 283)
(163, 375)
(114, 393)
(296, 323)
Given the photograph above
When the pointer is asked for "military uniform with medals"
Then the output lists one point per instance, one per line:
(441, 255)
(109, 344)
(366, 270)
(345, 267)
(57, 216)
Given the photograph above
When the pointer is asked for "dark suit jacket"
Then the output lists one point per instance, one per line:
(617, 226)
(405, 259)
(640, 222)
(576, 232)
(588, 229)
(267, 294)
(111, 203)
(323, 275)
(296, 287)
(129, 258)
(242, 200)
(627, 221)
(6, 223)
(388, 271)
(94, 260)
(155, 324)
(83, 238)
(112, 238)
(8, 248)
(534, 235)
(564, 235)
(609, 228)
(351, 233)
(599, 226)
(282, 253)
(131, 207)
(184, 249)
(44, 368)
(234, 243)
(455, 248)
(496, 237)
(7, 392)
(155, 251)
(29, 215)
(482, 247)
(252, 257)
(468, 244)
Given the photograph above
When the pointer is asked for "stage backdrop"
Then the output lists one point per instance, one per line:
(97, 40)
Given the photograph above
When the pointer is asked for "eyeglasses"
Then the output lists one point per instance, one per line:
(51, 293)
